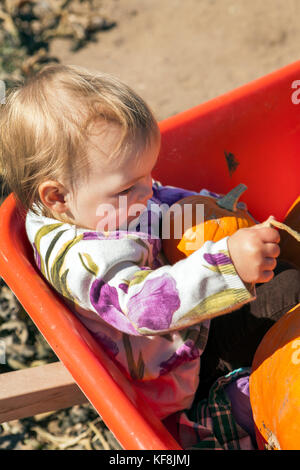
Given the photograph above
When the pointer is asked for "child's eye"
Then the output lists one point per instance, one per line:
(126, 191)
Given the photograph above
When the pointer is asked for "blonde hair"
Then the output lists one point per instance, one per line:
(45, 122)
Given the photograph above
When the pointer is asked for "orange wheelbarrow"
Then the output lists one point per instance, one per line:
(249, 135)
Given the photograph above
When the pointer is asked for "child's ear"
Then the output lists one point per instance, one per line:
(53, 196)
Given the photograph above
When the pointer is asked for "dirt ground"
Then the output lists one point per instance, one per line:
(177, 54)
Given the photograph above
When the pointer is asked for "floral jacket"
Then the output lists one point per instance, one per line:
(151, 317)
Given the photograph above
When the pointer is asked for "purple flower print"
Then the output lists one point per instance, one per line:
(169, 195)
(213, 194)
(100, 236)
(124, 287)
(104, 299)
(37, 256)
(186, 352)
(153, 307)
(113, 235)
(217, 259)
(108, 344)
(92, 236)
(156, 248)
(145, 220)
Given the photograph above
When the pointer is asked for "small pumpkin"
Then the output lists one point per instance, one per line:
(275, 385)
(289, 247)
(221, 218)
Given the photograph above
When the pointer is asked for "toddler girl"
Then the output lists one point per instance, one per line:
(77, 149)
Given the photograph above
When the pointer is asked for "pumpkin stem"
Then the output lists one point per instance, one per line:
(230, 200)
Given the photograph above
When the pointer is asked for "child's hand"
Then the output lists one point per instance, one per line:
(254, 251)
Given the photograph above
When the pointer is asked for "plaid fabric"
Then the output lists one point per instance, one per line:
(209, 424)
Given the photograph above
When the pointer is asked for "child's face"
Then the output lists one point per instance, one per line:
(117, 184)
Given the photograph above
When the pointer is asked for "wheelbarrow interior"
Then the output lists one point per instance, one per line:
(250, 135)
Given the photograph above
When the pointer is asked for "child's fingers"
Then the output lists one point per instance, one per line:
(269, 264)
(270, 232)
(267, 234)
(271, 250)
(266, 276)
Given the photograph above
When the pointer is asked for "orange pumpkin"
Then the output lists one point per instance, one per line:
(275, 384)
(221, 218)
(289, 247)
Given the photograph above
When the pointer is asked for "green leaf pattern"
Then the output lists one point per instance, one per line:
(57, 267)
(215, 303)
(139, 277)
(88, 263)
(44, 230)
(136, 370)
